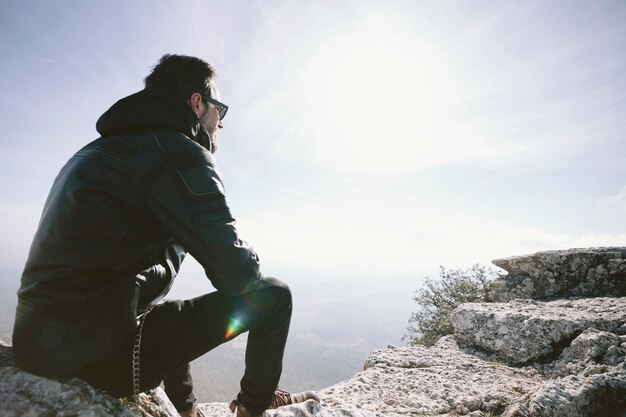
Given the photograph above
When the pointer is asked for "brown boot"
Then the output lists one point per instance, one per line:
(280, 398)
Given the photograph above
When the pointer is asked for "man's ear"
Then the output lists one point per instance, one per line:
(194, 102)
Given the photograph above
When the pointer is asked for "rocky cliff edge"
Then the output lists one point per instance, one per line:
(555, 345)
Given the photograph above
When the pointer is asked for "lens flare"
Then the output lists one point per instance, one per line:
(233, 327)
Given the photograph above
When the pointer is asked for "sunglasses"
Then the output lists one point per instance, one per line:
(221, 107)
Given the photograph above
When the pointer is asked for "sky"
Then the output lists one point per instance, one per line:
(369, 139)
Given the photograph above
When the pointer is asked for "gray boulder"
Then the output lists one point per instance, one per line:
(439, 381)
(26, 395)
(575, 395)
(523, 331)
(592, 352)
(577, 346)
(549, 275)
(23, 394)
(588, 379)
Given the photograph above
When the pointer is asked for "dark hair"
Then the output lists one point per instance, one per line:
(180, 75)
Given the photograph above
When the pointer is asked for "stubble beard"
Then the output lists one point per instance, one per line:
(213, 142)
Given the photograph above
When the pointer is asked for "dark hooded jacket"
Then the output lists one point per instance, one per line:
(119, 219)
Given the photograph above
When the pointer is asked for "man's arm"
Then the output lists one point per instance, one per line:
(188, 199)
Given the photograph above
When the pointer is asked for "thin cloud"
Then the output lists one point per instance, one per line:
(288, 190)
(38, 58)
(274, 186)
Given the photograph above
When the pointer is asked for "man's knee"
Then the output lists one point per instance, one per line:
(280, 285)
(278, 290)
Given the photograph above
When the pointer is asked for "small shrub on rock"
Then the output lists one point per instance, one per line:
(438, 298)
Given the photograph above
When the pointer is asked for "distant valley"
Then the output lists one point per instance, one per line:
(336, 324)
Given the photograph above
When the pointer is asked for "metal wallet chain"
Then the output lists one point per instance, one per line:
(136, 356)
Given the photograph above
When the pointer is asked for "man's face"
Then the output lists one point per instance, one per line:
(210, 119)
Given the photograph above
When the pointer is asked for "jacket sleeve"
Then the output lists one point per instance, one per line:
(187, 197)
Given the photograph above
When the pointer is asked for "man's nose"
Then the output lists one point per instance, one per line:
(220, 124)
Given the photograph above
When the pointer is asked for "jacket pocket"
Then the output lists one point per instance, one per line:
(39, 337)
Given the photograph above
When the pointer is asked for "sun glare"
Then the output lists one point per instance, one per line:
(233, 327)
(379, 94)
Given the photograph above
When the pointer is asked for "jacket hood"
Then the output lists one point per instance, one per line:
(146, 110)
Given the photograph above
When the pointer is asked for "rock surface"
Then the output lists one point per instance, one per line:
(522, 331)
(588, 379)
(591, 272)
(23, 394)
(595, 395)
(431, 381)
(519, 358)
(27, 395)
(591, 352)
(314, 409)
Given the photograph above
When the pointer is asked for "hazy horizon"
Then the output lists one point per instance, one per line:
(335, 326)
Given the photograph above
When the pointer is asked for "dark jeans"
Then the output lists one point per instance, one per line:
(177, 332)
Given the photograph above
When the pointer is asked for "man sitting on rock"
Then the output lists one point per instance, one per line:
(121, 216)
